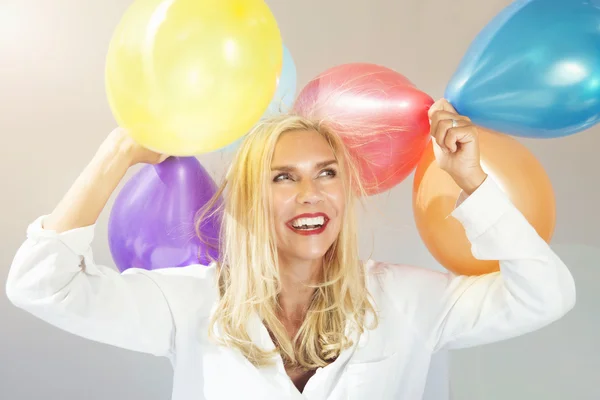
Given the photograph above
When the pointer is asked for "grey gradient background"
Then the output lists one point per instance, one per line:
(54, 114)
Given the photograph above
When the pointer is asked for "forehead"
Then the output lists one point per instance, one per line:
(302, 146)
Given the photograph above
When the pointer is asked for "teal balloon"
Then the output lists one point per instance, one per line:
(534, 70)
(284, 97)
(286, 87)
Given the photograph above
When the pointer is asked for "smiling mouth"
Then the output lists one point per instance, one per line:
(309, 224)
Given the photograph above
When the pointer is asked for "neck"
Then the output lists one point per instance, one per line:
(296, 293)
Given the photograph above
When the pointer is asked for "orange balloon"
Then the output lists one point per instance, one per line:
(517, 172)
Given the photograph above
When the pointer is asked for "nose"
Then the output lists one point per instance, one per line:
(309, 192)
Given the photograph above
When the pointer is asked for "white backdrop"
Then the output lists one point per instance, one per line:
(53, 115)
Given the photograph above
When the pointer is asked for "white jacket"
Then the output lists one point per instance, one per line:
(166, 312)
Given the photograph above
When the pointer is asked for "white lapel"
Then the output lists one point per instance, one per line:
(275, 376)
(325, 379)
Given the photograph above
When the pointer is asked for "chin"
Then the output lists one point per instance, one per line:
(307, 248)
(309, 254)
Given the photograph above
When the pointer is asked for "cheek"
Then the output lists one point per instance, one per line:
(337, 199)
(281, 203)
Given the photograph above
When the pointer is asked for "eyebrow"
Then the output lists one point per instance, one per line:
(288, 168)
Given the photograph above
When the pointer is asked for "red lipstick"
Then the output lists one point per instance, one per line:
(309, 232)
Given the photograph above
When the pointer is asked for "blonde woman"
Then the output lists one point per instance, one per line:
(289, 311)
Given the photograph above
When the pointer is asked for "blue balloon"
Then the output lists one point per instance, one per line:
(534, 71)
(286, 87)
(284, 97)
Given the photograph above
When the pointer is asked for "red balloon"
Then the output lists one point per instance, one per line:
(379, 113)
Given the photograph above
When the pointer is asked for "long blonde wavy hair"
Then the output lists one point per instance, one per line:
(248, 275)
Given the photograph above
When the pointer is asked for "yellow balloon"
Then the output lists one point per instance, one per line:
(191, 76)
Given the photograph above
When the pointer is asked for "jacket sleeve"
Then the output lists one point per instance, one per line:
(53, 276)
(532, 289)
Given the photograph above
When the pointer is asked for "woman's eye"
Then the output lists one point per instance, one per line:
(328, 172)
(281, 177)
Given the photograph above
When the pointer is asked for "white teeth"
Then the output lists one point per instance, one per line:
(308, 222)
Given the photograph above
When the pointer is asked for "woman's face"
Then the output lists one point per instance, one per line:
(308, 195)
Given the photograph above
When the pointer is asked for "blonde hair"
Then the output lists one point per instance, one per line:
(248, 275)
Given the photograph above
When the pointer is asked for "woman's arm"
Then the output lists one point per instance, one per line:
(54, 277)
(532, 289)
(88, 196)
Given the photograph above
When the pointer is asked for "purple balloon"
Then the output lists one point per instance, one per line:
(152, 223)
